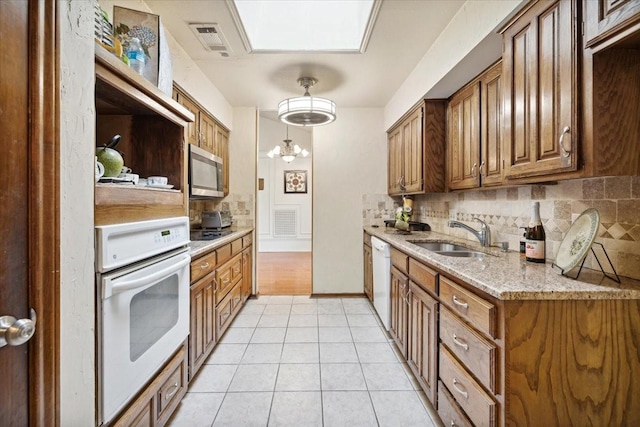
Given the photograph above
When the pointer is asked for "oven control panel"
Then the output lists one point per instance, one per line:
(118, 245)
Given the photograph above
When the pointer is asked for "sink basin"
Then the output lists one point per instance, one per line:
(449, 249)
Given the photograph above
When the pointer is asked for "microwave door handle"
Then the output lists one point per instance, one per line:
(126, 285)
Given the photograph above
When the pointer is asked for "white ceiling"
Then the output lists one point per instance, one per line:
(403, 32)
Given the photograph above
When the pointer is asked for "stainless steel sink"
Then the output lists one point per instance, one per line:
(449, 249)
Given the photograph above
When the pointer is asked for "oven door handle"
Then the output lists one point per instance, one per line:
(127, 285)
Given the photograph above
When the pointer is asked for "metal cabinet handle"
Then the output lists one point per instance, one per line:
(456, 386)
(460, 302)
(453, 424)
(473, 170)
(565, 152)
(175, 390)
(205, 265)
(483, 165)
(17, 331)
(459, 342)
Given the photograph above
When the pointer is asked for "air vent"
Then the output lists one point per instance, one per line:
(211, 38)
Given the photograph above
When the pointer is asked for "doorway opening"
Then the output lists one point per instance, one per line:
(284, 209)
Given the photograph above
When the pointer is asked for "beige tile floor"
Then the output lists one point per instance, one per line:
(297, 361)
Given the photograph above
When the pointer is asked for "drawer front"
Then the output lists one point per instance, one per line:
(236, 298)
(475, 310)
(236, 246)
(400, 260)
(247, 240)
(200, 267)
(170, 390)
(449, 411)
(477, 404)
(477, 354)
(225, 311)
(224, 253)
(423, 276)
(227, 276)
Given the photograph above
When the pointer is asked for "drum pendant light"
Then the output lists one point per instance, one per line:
(307, 110)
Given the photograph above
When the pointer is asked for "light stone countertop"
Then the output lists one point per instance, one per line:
(201, 247)
(507, 275)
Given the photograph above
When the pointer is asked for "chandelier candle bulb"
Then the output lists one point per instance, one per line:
(535, 244)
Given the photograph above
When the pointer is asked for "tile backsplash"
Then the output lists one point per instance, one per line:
(617, 199)
(241, 207)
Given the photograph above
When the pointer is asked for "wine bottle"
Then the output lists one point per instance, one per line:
(535, 247)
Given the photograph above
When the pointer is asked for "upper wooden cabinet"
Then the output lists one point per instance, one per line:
(152, 129)
(474, 137)
(610, 21)
(540, 91)
(206, 132)
(416, 150)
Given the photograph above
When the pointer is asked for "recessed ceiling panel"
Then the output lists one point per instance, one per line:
(305, 25)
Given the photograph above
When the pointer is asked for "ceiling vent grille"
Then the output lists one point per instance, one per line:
(211, 38)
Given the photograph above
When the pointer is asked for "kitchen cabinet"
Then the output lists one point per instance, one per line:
(416, 150)
(540, 73)
(202, 336)
(152, 127)
(474, 138)
(368, 267)
(155, 404)
(399, 309)
(247, 266)
(610, 21)
(206, 132)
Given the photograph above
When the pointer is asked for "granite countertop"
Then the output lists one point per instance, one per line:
(201, 247)
(506, 275)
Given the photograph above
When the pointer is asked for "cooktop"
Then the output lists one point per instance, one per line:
(208, 234)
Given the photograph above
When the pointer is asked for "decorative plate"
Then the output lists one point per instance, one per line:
(578, 240)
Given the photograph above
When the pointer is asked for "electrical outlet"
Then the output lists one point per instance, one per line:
(453, 214)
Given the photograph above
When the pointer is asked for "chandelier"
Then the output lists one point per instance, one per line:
(307, 110)
(286, 151)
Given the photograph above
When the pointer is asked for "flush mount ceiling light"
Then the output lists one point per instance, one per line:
(307, 110)
(286, 151)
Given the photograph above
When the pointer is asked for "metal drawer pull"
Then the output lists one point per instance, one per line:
(453, 424)
(460, 343)
(456, 385)
(565, 152)
(175, 390)
(460, 302)
(203, 266)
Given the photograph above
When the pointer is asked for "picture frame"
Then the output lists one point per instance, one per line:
(129, 23)
(295, 182)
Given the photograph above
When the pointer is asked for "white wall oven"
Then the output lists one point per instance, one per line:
(143, 304)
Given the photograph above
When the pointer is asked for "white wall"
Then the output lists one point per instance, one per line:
(242, 152)
(77, 149)
(469, 27)
(349, 160)
(273, 196)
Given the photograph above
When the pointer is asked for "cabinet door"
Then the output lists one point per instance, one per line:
(207, 133)
(399, 309)
(413, 154)
(192, 127)
(422, 342)
(395, 160)
(610, 20)
(491, 126)
(247, 273)
(202, 334)
(539, 70)
(463, 139)
(368, 272)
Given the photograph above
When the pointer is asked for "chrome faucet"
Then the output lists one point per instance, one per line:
(484, 235)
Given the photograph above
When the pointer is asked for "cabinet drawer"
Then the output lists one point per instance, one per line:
(475, 352)
(227, 275)
(475, 310)
(247, 240)
(236, 246)
(225, 311)
(449, 411)
(423, 276)
(224, 253)
(203, 265)
(400, 260)
(171, 389)
(477, 404)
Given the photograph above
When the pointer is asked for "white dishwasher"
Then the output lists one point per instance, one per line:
(382, 280)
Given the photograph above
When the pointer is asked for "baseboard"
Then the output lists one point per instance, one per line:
(348, 295)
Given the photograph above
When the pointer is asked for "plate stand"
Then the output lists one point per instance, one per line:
(615, 279)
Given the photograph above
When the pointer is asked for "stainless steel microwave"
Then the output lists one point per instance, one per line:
(205, 174)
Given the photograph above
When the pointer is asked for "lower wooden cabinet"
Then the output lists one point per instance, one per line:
(202, 335)
(399, 309)
(227, 309)
(156, 403)
(368, 272)
(247, 273)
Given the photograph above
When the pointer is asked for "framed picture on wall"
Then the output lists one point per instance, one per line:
(295, 181)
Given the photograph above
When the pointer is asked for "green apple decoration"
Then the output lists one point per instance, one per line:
(111, 160)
